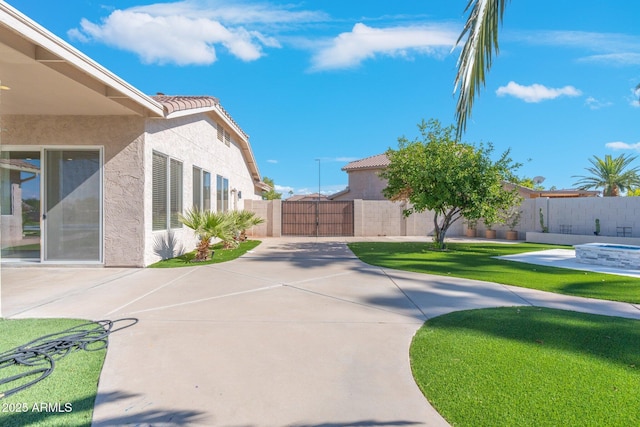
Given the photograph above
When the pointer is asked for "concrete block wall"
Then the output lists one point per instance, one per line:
(580, 214)
(271, 212)
(384, 218)
(371, 218)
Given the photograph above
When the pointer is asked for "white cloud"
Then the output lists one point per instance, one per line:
(284, 189)
(536, 92)
(233, 12)
(350, 49)
(618, 145)
(346, 159)
(189, 31)
(635, 97)
(626, 58)
(596, 104)
(272, 161)
(611, 48)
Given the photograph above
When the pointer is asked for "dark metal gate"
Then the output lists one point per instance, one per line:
(322, 218)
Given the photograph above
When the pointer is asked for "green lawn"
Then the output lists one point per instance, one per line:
(475, 261)
(220, 255)
(530, 366)
(72, 386)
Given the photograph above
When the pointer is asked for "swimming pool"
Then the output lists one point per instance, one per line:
(620, 256)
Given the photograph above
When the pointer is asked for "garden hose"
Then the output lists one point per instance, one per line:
(39, 356)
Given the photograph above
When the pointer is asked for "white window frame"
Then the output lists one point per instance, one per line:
(199, 198)
(173, 184)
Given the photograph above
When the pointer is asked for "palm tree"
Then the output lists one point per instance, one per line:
(207, 225)
(476, 56)
(610, 175)
(240, 222)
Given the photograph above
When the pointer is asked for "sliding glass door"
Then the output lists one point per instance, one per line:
(72, 205)
(20, 205)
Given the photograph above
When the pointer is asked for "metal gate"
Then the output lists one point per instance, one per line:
(321, 218)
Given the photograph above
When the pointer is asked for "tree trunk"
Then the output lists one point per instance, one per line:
(441, 229)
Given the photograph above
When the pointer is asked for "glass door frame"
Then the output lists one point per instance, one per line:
(33, 149)
(43, 187)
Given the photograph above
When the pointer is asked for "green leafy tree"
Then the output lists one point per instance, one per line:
(271, 194)
(529, 183)
(452, 179)
(610, 174)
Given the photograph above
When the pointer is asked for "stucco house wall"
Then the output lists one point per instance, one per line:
(123, 178)
(62, 99)
(193, 141)
(364, 184)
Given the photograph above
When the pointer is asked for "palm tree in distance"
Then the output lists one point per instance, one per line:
(610, 175)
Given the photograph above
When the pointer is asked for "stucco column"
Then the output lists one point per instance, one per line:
(358, 226)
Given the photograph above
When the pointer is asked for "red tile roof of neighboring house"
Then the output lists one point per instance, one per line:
(374, 162)
(307, 198)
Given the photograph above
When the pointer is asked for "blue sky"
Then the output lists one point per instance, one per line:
(342, 80)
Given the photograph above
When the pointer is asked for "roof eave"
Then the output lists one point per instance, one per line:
(46, 48)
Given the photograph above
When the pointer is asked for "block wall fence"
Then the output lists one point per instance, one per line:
(619, 217)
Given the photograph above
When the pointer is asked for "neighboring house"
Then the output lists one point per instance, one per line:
(313, 197)
(364, 179)
(108, 168)
(529, 193)
(365, 183)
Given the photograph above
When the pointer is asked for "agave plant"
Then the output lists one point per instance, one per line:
(207, 225)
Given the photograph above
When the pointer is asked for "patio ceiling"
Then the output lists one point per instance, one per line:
(46, 76)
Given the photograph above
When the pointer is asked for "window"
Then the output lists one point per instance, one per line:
(159, 203)
(201, 189)
(167, 192)
(223, 135)
(175, 198)
(220, 132)
(222, 194)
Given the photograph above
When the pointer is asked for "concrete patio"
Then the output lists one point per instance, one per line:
(298, 332)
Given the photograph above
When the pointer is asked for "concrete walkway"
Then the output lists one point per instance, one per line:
(296, 333)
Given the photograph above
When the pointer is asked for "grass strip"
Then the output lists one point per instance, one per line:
(529, 366)
(64, 398)
(476, 261)
(220, 255)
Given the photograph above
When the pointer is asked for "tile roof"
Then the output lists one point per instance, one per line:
(313, 197)
(373, 162)
(180, 103)
(173, 103)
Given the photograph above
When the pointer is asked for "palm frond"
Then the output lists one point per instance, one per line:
(475, 59)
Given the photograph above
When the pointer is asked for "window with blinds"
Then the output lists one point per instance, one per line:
(159, 202)
(220, 132)
(197, 188)
(175, 196)
(201, 189)
(227, 138)
(222, 194)
(206, 191)
(167, 192)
